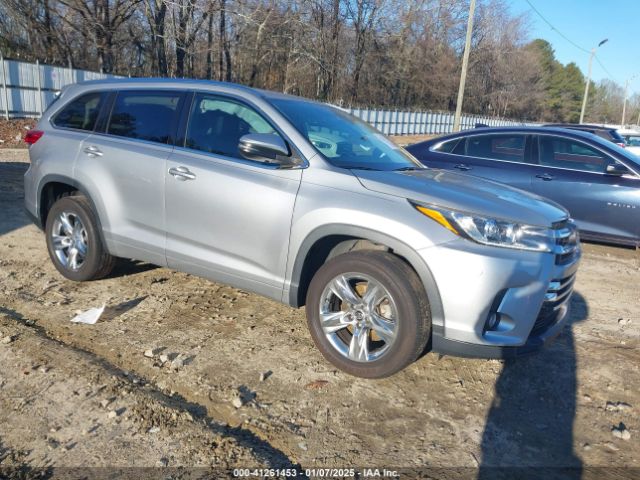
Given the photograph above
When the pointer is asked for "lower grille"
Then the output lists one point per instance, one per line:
(556, 298)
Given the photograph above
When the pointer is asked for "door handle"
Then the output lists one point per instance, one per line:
(93, 151)
(182, 173)
(546, 177)
(463, 167)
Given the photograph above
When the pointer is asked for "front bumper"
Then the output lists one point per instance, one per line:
(498, 302)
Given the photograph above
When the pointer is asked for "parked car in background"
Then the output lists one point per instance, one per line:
(601, 131)
(305, 204)
(632, 139)
(596, 180)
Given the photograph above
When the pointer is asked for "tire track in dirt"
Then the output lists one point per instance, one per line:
(263, 452)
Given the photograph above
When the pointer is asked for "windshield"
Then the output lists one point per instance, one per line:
(617, 137)
(342, 139)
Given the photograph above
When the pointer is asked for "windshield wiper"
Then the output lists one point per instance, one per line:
(355, 167)
(407, 169)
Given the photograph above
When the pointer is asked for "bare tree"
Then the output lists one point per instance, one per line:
(363, 16)
(101, 19)
(390, 53)
(156, 15)
(188, 19)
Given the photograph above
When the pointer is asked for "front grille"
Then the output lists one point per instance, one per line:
(567, 241)
(554, 305)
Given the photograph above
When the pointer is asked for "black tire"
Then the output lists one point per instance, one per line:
(413, 313)
(97, 262)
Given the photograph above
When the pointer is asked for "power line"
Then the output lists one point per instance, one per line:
(568, 39)
(555, 29)
(604, 68)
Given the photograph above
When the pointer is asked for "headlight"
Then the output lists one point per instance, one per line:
(492, 231)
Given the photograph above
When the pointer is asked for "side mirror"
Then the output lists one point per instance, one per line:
(265, 148)
(616, 169)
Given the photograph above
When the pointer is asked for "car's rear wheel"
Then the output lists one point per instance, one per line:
(368, 313)
(73, 240)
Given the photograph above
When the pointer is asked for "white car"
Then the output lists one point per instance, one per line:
(632, 137)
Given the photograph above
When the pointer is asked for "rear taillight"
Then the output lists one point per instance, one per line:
(33, 136)
(623, 145)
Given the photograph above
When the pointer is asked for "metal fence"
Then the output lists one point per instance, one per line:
(395, 122)
(27, 89)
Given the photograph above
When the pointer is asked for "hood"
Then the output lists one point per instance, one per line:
(465, 193)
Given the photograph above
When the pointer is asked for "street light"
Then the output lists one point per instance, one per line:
(586, 88)
(624, 103)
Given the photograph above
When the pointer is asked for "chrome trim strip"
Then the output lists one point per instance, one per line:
(563, 232)
(554, 297)
(554, 286)
(567, 282)
(565, 249)
(562, 304)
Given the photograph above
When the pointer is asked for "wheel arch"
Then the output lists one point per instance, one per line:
(328, 241)
(45, 204)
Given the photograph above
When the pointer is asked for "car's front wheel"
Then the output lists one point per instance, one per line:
(73, 240)
(368, 313)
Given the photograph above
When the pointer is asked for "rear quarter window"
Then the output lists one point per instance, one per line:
(80, 113)
(446, 147)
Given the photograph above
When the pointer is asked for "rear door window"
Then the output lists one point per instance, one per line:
(216, 125)
(144, 115)
(507, 147)
(571, 154)
(81, 113)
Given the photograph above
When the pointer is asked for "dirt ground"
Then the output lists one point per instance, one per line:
(404, 140)
(235, 381)
(12, 132)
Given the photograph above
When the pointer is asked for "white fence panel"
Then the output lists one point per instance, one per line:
(27, 89)
(394, 122)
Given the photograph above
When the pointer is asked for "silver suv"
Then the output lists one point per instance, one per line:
(300, 202)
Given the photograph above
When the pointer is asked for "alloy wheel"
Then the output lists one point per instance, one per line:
(358, 317)
(69, 240)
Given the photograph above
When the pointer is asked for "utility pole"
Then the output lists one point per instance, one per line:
(624, 103)
(465, 64)
(586, 87)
